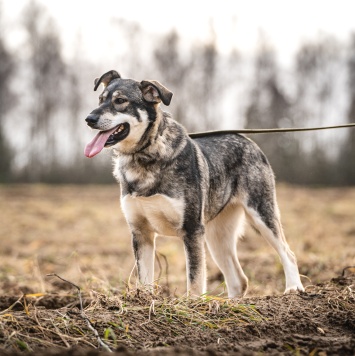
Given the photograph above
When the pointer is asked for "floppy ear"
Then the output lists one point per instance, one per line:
(155, 92)
(106, 79)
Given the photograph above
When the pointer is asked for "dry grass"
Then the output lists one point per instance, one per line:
(79, 232)
(120, 319)
(140, 320)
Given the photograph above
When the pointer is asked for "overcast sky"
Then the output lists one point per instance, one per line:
(237, 24)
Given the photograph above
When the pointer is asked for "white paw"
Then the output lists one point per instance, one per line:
(294, 289)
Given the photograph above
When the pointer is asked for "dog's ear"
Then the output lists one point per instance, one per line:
(106, 78)
(155, 92)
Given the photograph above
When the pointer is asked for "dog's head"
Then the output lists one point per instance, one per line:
(127, 109)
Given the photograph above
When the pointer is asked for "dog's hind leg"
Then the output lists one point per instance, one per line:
(265, 218)
(221, 237)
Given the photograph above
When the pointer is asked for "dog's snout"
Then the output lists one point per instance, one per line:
(92, 119)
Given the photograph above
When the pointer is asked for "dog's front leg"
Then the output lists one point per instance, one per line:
(195, 263)
(144, 249)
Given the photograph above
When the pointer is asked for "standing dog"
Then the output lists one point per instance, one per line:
(201, 190)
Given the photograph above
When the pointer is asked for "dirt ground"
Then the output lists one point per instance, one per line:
(79, 233)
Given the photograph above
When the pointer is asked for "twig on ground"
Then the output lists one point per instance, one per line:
(157, 254)
(82, 313)
(130, 276)
(18, 301)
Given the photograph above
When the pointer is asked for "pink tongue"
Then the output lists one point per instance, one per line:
(98, 143)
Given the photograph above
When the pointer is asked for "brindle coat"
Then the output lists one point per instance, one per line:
(201, 190)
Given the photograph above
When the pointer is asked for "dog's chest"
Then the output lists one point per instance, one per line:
(134, 177)
(163, 214)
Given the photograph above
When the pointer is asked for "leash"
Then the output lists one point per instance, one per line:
(263, 131)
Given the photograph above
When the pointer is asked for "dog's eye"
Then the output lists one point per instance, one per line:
(120, 101)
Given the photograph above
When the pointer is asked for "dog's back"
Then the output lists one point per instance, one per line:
(238, 170)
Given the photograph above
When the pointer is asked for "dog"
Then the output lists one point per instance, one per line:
(200, 189)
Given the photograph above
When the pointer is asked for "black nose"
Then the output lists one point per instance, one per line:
(92, 119)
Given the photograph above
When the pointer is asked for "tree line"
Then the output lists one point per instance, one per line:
(44, 99)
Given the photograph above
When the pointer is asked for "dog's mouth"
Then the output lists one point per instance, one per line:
(118, 135)
(106, 139)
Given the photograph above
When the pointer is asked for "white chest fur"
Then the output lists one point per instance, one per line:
(163, 214)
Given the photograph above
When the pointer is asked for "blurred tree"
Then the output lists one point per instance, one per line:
(317, 74)
(193, 76)
(346, 161)
(209, 87)
(132, 60)
(7, 100)
(269, 107)
(46, 71)
(174, 69)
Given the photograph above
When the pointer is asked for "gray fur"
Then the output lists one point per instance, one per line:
(218, 179)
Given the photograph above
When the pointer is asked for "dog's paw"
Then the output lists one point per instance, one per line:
(294, 289)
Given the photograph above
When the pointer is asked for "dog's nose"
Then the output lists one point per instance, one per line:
(92, 119)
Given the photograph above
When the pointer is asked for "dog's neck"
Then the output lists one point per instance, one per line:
(153, 145)
(154, 130)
